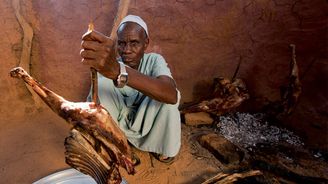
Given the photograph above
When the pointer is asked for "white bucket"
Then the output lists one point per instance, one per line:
(69, 176)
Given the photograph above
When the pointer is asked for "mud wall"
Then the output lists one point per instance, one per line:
(200, 39)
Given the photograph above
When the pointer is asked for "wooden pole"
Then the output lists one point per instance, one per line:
(121, 13)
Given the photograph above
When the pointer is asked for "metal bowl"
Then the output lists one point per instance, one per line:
(69, 176)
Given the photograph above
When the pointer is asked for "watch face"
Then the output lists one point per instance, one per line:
(123, 78)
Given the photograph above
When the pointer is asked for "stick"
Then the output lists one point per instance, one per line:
(222, 178)
(237, 69)
(121, 13)
(94, 76)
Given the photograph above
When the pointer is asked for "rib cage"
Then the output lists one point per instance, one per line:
(81, 154)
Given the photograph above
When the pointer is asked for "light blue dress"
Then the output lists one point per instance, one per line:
(149, 125)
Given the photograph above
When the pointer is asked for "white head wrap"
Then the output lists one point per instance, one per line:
(135, 19)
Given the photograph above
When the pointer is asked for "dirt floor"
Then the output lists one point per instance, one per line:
(193, 164)
(34, 148)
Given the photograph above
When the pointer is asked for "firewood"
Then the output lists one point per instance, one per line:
(223, 178)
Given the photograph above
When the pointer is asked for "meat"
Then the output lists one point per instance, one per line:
(227, 96)
(291, 95)
(96, 146)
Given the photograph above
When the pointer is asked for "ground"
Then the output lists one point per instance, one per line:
(193, 164)
(33, 148)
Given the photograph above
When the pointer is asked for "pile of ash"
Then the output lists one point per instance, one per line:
(248, 130)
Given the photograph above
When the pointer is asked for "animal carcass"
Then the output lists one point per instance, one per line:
(96, 146)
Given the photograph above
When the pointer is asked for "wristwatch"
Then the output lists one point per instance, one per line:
(122, 78)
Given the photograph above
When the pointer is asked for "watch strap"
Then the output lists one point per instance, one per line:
(122, 78)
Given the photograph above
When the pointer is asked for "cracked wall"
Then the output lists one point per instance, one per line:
(199, 39)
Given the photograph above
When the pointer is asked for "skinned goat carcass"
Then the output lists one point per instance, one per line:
(289, 95)
(226, 96)
(96, 146)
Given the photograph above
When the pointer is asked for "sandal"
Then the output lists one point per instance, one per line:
(162, 158)
(135, 159)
